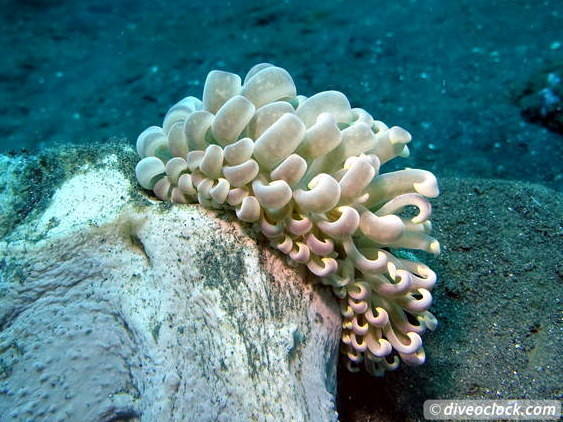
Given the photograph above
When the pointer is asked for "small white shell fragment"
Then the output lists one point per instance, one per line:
(239, 151)
(231, 119)
(147, 170)
(333, 102)
(279, 141)
(241, 174)
(219, 88)
(269, 84)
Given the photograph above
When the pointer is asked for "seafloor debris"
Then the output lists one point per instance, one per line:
(541, 100)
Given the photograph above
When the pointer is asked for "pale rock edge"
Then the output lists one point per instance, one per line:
(115, 311)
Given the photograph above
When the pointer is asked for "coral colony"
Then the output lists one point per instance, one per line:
(306, 173)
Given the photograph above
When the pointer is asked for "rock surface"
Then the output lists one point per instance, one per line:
(115, 307)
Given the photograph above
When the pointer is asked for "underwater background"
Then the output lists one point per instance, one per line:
(478, 83)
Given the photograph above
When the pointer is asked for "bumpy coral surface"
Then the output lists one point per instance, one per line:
(306, 173)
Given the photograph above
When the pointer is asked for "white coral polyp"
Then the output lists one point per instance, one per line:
(306, 173)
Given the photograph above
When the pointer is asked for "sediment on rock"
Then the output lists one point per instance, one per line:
(116, 307)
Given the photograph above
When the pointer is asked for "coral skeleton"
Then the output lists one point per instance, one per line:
(305, 172)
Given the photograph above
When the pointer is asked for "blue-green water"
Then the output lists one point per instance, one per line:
(459, 75)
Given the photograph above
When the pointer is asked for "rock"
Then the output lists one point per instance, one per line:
(541, 101)
(118, 307)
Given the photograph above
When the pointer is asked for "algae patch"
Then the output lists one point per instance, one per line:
(31, 180)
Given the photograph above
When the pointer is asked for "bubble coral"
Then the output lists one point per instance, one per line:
(306, 173)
